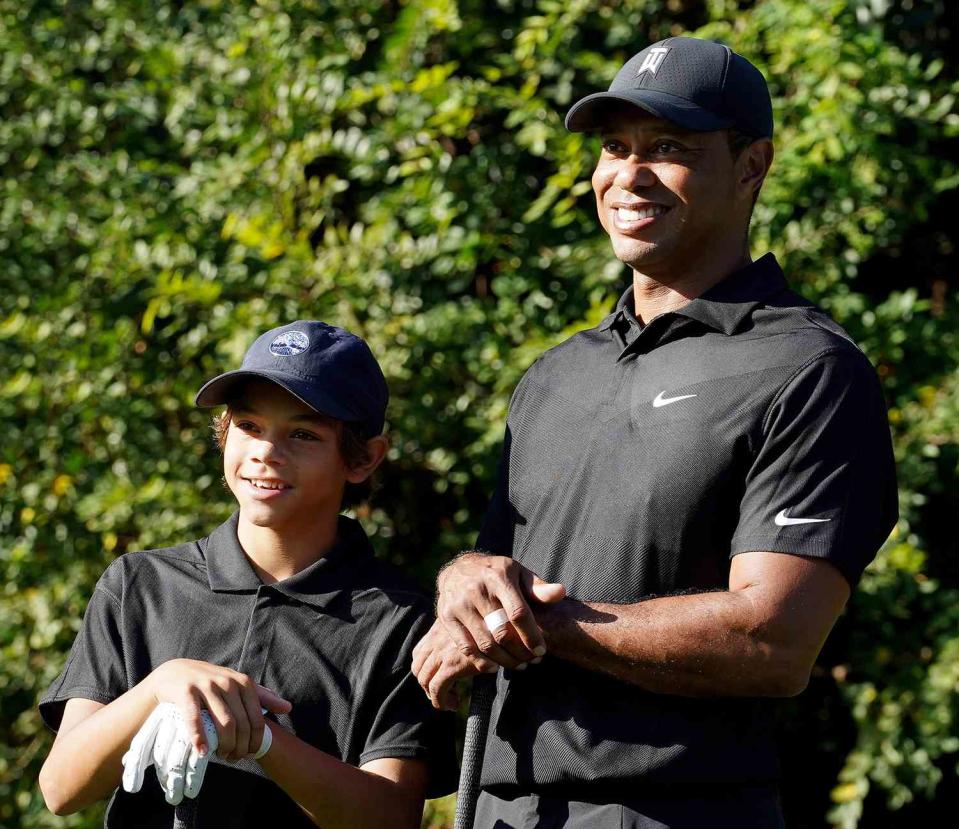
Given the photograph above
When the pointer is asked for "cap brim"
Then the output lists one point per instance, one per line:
(584, 115)
(216, 392)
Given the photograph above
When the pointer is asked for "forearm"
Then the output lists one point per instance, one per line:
(84, 765)
(335, 794)
(705, 644)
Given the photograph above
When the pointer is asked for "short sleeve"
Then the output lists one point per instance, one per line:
(95, 668)
(405, 723)
(822, 482)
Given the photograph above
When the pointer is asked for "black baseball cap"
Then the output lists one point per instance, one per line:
(328, 368)
(699, 84)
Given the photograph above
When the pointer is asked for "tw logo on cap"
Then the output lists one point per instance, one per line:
(653, 60)
(289, 344)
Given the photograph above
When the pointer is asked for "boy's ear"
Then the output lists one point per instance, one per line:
(376, 448)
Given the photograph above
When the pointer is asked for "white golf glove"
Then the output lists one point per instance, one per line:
(164, 741)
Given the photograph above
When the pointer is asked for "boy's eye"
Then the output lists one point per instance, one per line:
(301, 434)
(664, 147)
(244, 425)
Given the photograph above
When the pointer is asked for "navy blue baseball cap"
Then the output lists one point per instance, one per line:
(699, 84)
(328, 368)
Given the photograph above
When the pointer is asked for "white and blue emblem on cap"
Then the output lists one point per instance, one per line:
(289, 344)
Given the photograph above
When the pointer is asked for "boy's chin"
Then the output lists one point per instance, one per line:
(262, 516)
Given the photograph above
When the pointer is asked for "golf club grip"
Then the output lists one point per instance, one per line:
(184, 814)
(474, 745)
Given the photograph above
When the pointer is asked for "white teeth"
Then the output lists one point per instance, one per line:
(266, 484)
(626, 214)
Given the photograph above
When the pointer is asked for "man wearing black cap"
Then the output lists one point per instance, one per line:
(688, 491)
(282, 606)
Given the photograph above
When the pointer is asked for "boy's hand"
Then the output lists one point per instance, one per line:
(233, 700)
(164, 740)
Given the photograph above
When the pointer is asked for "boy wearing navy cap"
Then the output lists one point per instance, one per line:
(283, 609)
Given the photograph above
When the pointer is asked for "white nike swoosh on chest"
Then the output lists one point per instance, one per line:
(782, 520)
(665, 401)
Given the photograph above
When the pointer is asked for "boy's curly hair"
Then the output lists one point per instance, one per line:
(350, 441)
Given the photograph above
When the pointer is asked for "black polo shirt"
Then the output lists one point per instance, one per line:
(638, 461)
(335, 639)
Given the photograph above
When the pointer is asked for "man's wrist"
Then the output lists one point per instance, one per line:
(458, 558)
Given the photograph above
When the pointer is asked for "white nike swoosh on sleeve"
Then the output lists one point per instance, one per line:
(782, 520)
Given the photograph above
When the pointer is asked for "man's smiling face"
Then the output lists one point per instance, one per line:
(666, 196)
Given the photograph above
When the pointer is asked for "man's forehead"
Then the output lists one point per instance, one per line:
(626, 117)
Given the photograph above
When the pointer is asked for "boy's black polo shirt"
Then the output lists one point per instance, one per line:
(638, 461)
(336, 640)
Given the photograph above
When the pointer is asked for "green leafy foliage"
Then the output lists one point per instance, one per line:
(177, 178)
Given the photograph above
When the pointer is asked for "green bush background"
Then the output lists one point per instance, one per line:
(178, 177)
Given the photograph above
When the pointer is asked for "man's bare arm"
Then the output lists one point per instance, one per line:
(760, 637)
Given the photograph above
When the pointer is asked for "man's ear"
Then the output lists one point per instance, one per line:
(754, 164)
(376, 448)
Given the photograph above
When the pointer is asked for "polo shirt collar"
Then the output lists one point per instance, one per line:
(725, 306)
(729, 303)
(230, 571)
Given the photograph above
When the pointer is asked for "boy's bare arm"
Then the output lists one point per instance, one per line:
(84, 765)
(336, 795)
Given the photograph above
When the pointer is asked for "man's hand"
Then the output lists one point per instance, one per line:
(233, 700)
(438, 663)
(475, 585)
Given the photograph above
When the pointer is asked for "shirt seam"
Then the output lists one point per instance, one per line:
(110, 594)
(398, 749)
(768, 544)
(70, 692)
(776, 397)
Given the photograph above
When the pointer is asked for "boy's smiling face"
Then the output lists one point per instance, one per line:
(281, 459)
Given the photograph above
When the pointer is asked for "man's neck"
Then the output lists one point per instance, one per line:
(279, 553)
(656, 293)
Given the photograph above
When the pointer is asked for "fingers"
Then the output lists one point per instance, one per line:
(222, 695)
(475, 640)
(272, 701)
(139, 757)
(254, 716)
(437, 677)
(197, 761)
(436, 640)
(195, 771)
(438, 664)
(232, 699)
(212, 739)
(542, 591)
(476, 585)
(190, 709)
(512, 600)
(172, 769)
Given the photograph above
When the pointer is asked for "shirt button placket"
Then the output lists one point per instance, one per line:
(259, 634)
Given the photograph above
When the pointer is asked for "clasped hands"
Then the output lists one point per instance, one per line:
(201, 709)
(461, 643)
